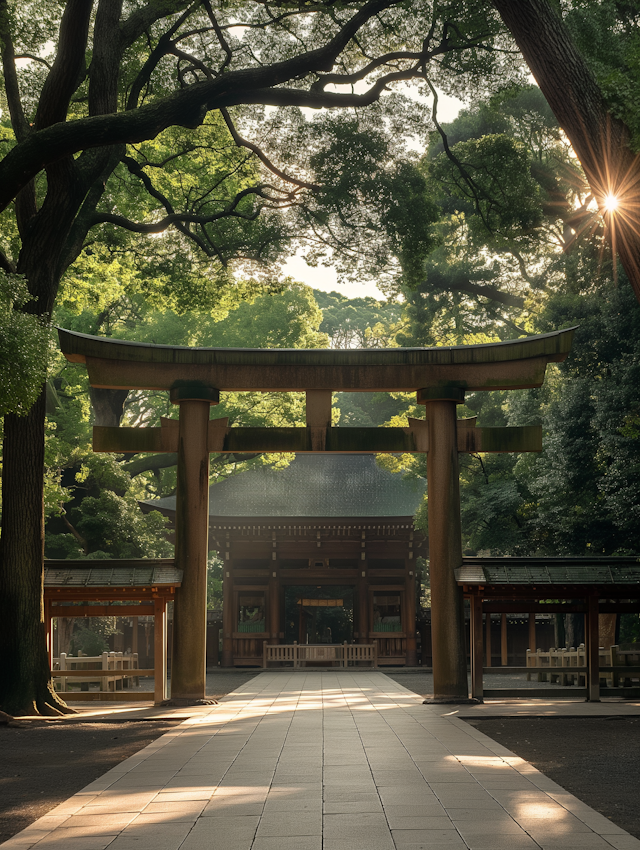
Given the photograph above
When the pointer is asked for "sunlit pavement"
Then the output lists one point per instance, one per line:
(323, 761)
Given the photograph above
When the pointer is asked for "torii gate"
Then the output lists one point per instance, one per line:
(194, 378)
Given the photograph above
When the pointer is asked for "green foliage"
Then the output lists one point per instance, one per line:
(607, 33)
(91, 637)
(24, 341)
(498, 195)
(214, 582)
(114, 524)
(358, 322)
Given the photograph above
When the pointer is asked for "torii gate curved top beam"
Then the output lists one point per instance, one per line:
(514, 364)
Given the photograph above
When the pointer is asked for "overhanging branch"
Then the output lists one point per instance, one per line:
(187, 107)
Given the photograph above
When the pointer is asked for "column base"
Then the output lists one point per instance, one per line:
(452, 701)
(182, 702)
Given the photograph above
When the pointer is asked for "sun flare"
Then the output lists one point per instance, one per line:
(611, 203)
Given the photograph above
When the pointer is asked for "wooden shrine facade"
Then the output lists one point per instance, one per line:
(277, 573)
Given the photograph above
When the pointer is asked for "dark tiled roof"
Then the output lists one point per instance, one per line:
(540, 571)
(313, 486)
(109, 574)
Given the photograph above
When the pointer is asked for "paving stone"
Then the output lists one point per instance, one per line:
(324, 761)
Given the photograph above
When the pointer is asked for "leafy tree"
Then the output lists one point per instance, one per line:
(24, 341)
(577, 83)
(92, 500)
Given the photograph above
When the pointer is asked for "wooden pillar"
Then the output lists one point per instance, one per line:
(593, 650)
(160, 649)
(488, 639)
(445, 543)
(273, 625)
(532, 631)
(362, 588)
(228, 614)
(504, 655)
(188, 662)
(410, 613)
(476, 646)
(48, 620)
(134, 635)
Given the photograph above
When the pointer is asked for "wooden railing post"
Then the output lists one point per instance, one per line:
(159, 650)
(593, 650)
(476, 646)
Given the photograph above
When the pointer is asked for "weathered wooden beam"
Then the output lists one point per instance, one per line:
(511, 364)
(413, 439)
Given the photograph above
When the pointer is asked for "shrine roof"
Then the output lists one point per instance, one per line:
(128, 573)
(313, 486)
(549, 571)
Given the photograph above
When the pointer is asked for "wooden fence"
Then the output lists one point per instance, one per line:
(111, 671)
(336, 655)
(555, 665)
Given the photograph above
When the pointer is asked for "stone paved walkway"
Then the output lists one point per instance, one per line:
(321, 761)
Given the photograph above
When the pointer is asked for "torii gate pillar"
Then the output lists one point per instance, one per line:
(445, 543)
(188, 657)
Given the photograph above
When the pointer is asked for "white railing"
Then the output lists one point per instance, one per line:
(341, 655)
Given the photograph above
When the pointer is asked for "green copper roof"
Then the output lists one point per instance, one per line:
(313, 486)
(550, 571)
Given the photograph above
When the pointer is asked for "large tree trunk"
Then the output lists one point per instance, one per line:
(600, 141)
(25, 685)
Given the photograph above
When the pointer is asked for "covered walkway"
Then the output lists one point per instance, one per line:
(323, 761)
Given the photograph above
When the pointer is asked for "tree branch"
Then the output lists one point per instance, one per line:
(600, 141)
(103, 71)
(489, 292)
(476, 191)
(224, 44)
(34, 58)
(240, 142)
(68, 69)
(6, 264)
(16, 112)
(186, 107)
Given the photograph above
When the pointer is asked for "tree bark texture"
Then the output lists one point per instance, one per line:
(25, 685)
(600, 141)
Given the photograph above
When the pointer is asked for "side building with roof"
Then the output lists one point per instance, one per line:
(321, 552)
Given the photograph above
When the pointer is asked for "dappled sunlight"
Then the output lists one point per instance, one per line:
(234, 792)
(545, 809)
(479, 761)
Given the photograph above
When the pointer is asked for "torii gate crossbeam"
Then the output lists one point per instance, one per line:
(194, 377)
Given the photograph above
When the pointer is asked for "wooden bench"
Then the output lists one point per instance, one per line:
(325, 655)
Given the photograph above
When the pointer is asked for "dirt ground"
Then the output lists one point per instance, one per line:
(595, 758)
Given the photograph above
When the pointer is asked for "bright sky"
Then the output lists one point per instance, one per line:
(325, 278)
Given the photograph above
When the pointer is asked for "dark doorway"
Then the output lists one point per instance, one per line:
(308, 620)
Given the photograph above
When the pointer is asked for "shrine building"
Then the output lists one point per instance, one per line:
(322, 552)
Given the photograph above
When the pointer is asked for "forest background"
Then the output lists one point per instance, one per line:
(520, 266)
(482, 229)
